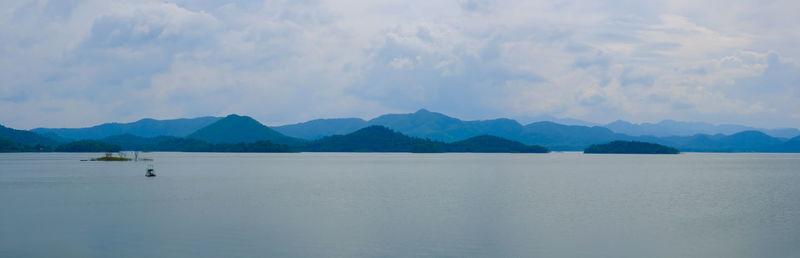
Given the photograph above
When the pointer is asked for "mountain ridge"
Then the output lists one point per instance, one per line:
(25, 137)
(377, 138)
(146, 127)
(680, 128)
(434, 126)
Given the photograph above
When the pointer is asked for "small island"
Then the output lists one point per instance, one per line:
(111, 159)
(630, 147)
(121, 156)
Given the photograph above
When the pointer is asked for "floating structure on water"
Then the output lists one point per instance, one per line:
(150, 170)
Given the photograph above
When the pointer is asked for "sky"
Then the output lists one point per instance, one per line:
(77, 63)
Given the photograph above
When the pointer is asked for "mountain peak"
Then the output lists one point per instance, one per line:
(374, 138)
(375, 130)
(750, 133)
(234, 129)
(234, 118)
(620, 122)
(422, 111)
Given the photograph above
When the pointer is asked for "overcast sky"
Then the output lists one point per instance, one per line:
(74, 63)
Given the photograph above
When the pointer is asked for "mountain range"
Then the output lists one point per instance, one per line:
(424, 125)
(677, 128)
(145, 127)
(436, 126)
(25, 137)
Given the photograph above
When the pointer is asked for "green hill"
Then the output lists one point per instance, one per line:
(373, 139)
(7, 145)
(493, 144)
(236, 129)
(426, 124)
(631, 147)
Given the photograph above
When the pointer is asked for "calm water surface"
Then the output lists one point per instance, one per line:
(401, 205)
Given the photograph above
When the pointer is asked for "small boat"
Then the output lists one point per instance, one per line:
(150, 170)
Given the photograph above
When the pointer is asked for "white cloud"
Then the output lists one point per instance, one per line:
(287, 61)
(402, 63)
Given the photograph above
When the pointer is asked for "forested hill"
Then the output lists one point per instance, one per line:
(373, 139)
(235, 129)
(383, 139)
(25, 137)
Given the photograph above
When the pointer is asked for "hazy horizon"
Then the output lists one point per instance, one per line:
(81, 63)
(524, 121)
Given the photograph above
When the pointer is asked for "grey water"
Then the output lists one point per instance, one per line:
(401, 205)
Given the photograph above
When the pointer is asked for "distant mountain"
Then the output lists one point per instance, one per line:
(25, 137)
(436, 126)
(422, 124)
(747, 141)
(489, 143)
(676, 128)
(235, 129)
(564, 137)
(781, 132)
(439, 127)
(426, 124)
(563, 121)
(319, 128)
(146, 128)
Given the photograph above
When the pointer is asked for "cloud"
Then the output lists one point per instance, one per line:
(81, 62)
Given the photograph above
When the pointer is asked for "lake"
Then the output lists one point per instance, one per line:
(401, 205)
